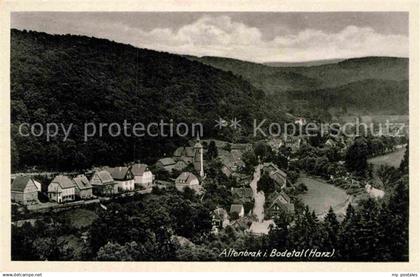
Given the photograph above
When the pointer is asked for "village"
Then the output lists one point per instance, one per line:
(105, 182)
(253, 208)
(137, 136)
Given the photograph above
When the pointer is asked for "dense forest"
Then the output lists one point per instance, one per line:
(75, 79)
(363, 81)
(389, 96)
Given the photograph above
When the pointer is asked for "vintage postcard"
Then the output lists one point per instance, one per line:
(209, 134)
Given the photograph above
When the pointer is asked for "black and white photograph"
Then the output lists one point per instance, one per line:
(200, 136)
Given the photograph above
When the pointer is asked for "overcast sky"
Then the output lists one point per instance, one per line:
(253, 36)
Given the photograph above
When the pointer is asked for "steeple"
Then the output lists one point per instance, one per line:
(198, 157)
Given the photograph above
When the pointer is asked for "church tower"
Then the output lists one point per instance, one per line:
(198, 157)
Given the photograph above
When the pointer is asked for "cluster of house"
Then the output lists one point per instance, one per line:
(184, 156)
(108, 181)
(101, 182)
(277, 203)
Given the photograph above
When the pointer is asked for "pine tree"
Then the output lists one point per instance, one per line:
(404, 162)
(370, 230)
(348, 245)
(398, 221)
(331, 226)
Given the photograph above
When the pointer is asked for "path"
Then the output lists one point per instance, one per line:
(259, 198)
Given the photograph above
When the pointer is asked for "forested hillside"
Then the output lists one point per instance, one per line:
(358, 80)
(365, 97)
(75, 79)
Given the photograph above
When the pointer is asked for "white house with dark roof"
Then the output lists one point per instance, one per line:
(62, 189)
(187, 179)
(24, 190)
(123, 176)
(142, 175)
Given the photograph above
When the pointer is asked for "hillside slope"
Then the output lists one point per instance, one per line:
(342, 80)
(365, 97)
(275, 79)
(75, 79)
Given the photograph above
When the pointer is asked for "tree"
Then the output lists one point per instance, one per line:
(404, 162)
(14, 159)
(331, 226)
(250, 160)
(266, 184)
(307, 231)
(115, 252)
(356, 157)
(348, 246)
(369, 231)
(263, 151)
(282, 160)
(212, 150)
(301, 188)
(396, 223)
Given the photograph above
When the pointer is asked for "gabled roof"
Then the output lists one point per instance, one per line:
(186, 177)
(281, 173)
(179, 151)
(139, 169)
(119, 173)
(274, 172)
(104, 176)
(82, 182)
(185, 159)
(280, 198)
(244, 192)
(63, 181)
(236, 208)
(270, 167)
(167, 161)
(278, 176)
(278, 195)
(20, 183)
(261, 227)
(189, 151)
(179, 165)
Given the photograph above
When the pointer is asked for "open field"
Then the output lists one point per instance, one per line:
(321, 196)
